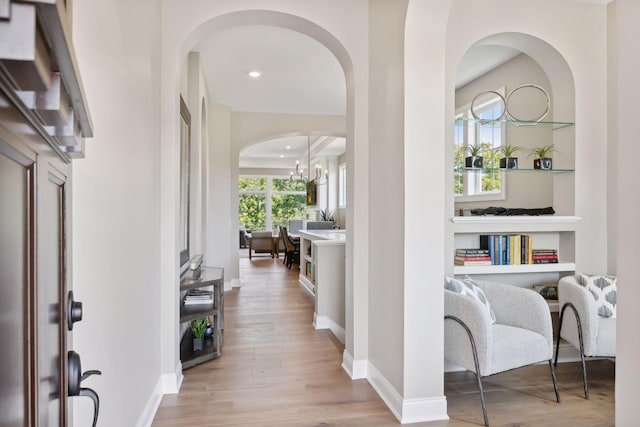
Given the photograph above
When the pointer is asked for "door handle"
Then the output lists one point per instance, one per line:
(75, 377)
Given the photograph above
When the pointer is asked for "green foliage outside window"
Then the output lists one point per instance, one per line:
(288, 185)
(253, 202)
(252, 184)
(286, 207)
(253, 212)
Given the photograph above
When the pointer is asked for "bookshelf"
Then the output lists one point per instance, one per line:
(555, 232)
(210, 279)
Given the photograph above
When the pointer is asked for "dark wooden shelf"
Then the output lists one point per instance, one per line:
(192, 312)
(212, 346)
(191, 358)
(207, 278)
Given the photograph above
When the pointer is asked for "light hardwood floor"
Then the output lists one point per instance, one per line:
(276, 370)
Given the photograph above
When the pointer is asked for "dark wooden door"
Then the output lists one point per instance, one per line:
(34, 184)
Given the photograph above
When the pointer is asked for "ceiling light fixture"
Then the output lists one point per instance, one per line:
(300, 172)
(254, 74)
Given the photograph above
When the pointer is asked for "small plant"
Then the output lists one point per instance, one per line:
(542, 152)
(474, 150)
(198, 327)
(326, 215)
(509, 150)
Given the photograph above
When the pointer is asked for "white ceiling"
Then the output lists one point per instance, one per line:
(299, 75)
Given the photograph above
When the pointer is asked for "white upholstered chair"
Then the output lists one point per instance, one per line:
(521, 334)
(581, 326)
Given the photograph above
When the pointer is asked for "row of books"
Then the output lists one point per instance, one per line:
(198, 296)
(505, 249)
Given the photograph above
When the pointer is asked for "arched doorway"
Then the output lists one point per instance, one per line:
(177, 41)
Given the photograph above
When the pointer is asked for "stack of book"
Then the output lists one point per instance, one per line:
(198, 296)
(472, 257)
(508, 249)
(545, 256)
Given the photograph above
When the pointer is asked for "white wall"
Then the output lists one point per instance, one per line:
(624, 89)
(116, 193)
(222, 238)
(386, 202)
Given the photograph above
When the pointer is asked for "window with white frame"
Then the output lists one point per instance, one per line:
(487, 135)
(268, 202)
(342, 185)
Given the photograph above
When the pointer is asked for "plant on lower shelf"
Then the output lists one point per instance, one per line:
(509, 161)
(474, 160)
(542, 159)
(198, 327)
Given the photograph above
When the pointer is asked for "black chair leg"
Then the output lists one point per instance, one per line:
(581, 342)
(476, 364)
(555, 381)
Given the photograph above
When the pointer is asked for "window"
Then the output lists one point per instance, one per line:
(342, 185)
(288, 201)
(265, 203)
(487, 183)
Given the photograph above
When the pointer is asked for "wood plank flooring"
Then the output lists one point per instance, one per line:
(276, 370)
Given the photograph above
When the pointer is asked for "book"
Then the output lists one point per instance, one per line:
(198, 301)
(472, 262)
(545, 261)
(472, 259)
(472, 252)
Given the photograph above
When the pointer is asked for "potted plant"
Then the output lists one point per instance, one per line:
(508, 161)
(326, 215)
(474, 160)
(198, 327)
(542, 159)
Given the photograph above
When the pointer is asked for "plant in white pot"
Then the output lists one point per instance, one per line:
(198, 327)
(542, 158)
(474, 159)
(508, 160)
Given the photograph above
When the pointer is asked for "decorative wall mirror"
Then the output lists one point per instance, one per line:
(185, 154)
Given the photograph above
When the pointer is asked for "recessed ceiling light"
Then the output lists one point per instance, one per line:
(254, 74)
(288, 147)
(281, 156)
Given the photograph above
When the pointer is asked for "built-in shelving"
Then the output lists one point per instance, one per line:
(548, 231)
(555, 125)
(208, 278)
(489, 170)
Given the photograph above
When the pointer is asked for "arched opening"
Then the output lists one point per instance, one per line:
(235, 141)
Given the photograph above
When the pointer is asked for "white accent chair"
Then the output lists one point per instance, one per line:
(592, 335)
(522, 334)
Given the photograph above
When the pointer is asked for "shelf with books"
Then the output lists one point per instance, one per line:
(542, 245)
(511, 269)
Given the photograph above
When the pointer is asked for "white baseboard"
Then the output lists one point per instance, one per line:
(356, 369)
(172, 382)
(407, 410)
(167, 384)
(235, 283)
(323, 322)
(150, 409)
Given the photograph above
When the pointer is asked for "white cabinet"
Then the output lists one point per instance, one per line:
(322, 273)
(548, 232)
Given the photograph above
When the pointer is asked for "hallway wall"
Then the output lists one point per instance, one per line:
(116, 205)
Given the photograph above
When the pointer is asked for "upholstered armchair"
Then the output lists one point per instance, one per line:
(584, 323)
(496, 329)
(262, 242)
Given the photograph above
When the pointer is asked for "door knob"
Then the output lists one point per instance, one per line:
(75, 377)
(74, 311)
